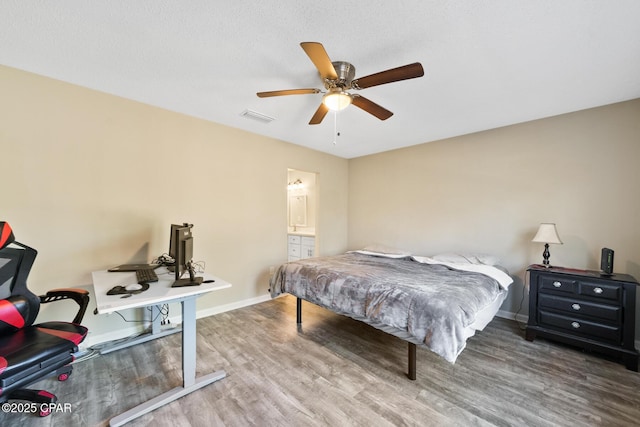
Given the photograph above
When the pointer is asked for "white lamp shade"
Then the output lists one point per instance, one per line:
(336, 100)
(547, 233)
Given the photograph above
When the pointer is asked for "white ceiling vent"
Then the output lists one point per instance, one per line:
(250, 114)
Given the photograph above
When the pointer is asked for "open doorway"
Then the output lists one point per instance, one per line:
(302, 201)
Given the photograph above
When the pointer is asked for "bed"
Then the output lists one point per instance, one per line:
(436, 302)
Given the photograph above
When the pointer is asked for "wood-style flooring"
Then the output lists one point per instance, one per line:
(335, 371)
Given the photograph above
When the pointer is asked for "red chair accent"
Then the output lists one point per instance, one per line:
(31, 352)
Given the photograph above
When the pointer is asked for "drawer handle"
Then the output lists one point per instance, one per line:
(576, 325)
(557, 284)
(576, 306)
(597, 290)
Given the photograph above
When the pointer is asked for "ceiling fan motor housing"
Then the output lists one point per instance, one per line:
(345, 71)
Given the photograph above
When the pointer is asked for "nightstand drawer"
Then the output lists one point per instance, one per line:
(586, 309)
(559, 284)
(573, 306)
(599, 290)
(572, 325)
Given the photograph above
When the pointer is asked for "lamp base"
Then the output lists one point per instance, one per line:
(546, 255)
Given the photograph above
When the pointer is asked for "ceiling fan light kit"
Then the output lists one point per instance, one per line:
(336, 99)
(338, 79)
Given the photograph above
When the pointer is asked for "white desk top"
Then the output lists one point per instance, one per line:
(159, 292)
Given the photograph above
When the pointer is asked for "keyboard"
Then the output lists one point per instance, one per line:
(146, 275)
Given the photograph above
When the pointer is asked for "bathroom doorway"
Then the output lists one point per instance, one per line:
(302, 202)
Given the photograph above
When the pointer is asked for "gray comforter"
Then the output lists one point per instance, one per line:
(433, 304)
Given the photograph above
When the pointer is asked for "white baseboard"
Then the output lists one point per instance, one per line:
(522, 318)
(232, 306)
(223, 308)
(176, 320)
(119, 334)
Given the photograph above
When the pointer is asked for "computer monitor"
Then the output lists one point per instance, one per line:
(173, 242)
(181, 250)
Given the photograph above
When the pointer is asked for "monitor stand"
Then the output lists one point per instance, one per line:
(192, 280)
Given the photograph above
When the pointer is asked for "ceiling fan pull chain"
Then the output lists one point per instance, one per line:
(335, 127)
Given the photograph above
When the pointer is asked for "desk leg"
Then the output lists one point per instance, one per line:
(189, 381)
(188, 342)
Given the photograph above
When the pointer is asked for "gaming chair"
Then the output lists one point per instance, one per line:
(31, 352)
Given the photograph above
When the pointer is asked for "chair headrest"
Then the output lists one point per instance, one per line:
(6, 235)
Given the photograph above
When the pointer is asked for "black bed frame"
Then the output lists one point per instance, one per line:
(412, 347)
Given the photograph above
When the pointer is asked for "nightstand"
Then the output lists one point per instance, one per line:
(585, 309)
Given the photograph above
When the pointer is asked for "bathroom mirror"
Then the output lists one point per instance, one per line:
(298, 211)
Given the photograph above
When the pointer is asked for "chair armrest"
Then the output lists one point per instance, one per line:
(80, 296)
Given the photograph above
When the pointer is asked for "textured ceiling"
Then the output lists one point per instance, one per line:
(487, 63)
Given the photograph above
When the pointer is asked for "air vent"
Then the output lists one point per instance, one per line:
(250, 114)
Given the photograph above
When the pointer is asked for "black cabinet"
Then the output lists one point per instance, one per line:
(585, 309)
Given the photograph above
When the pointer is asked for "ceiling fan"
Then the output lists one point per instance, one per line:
(338, 79)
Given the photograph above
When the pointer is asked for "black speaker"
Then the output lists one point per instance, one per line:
(606, 262)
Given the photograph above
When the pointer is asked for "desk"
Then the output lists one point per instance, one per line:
(160, 293)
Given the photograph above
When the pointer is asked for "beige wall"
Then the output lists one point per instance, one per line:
(489, 191)
(92, 180)
(77, 188)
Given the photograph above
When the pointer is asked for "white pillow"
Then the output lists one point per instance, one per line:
(385, 251)
(467, 258)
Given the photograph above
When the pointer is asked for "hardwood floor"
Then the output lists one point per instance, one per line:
(336, 371)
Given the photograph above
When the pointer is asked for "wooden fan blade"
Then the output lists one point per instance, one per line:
(405, 72)
(320, 59)
(371, 107)
(287, 92)
(319, 115)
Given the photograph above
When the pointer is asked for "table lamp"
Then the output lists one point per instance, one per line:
(546, 234)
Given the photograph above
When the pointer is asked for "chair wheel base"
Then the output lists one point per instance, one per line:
(35, 396)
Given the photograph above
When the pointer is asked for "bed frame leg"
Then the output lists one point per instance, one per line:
(412, 361)
(298, 311)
